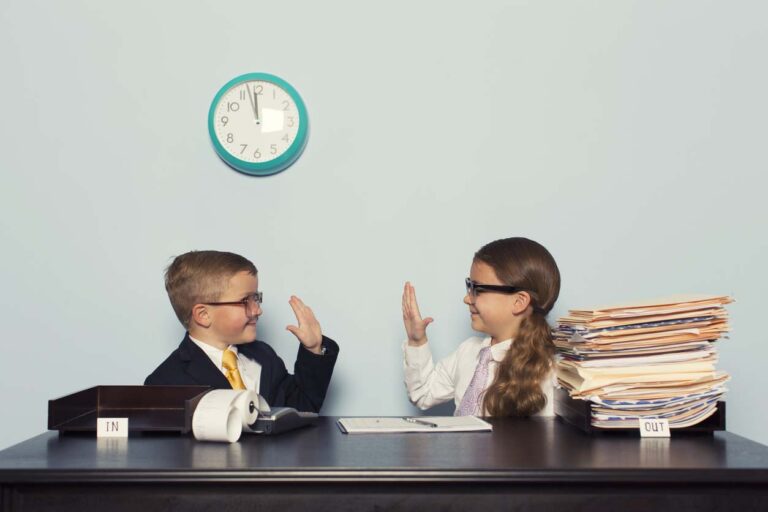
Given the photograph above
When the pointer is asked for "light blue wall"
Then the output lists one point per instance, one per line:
(628, 137)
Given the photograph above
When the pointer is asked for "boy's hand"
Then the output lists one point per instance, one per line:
(415, 327)
(308, 331)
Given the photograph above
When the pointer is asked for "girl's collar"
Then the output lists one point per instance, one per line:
(499, 350)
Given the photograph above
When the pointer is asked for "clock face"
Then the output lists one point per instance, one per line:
(258, 124)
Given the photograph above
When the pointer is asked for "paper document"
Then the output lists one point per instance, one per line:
(646, 360)
(381, 425)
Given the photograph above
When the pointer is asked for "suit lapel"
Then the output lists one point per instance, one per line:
(200, 367)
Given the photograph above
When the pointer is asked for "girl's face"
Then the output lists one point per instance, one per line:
(495, 314)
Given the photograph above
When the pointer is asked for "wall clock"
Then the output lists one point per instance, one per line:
(258, 124)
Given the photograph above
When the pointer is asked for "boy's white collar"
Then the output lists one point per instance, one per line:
(210, 349)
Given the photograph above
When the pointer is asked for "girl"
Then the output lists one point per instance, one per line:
(513, 284)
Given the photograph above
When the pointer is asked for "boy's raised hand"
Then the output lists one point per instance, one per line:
(308, 331)
(415, 326)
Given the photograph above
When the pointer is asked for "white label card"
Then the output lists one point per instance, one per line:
(654, 427)
(112, 427)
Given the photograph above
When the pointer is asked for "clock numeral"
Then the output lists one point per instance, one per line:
(286, 104)
(233, 106)
(230, 138)
(224, 120)
(257, 154)
(242, 94)
(286, 138)
(274, 94)
(273, 149)
(258, 89)
(290, 121)
(244, 146)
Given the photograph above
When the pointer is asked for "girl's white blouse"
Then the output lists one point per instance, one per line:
(430, 384)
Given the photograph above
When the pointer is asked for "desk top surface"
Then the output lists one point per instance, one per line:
(525, 450)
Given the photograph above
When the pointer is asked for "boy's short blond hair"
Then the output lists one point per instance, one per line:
(201, 276)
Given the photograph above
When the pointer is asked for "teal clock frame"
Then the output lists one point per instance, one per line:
(276, 165)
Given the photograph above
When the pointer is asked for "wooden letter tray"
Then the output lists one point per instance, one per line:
(148, 408)
(579, 414)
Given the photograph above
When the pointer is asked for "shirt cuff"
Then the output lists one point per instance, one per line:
(416, 356)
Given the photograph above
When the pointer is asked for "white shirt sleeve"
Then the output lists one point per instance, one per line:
(428, 384)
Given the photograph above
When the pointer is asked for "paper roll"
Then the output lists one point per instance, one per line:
(247, 404)
(216, 417)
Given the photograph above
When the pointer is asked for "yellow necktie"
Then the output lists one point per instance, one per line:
(229, 362)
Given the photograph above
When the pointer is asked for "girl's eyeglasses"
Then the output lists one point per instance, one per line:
(249, 302)
(474, 288)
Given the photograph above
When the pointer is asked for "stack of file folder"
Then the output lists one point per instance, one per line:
(653, 359)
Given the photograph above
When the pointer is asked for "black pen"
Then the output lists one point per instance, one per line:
(421, 422)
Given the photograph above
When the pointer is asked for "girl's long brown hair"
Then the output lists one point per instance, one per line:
(516, 390)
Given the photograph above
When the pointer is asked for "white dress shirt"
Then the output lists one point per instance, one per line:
(250, 370)
(429, 384)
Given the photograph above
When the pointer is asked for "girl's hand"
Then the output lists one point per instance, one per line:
(415, 327)
(308, 331)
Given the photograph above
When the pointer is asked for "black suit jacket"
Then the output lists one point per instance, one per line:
(304, 390)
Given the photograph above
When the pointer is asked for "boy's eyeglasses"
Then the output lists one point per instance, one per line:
(249, 302)
(474, 288)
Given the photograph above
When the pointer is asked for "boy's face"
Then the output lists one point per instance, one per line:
(236, 324)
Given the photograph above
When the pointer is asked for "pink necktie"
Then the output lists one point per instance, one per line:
(471, 399)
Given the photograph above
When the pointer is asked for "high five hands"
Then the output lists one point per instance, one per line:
(415, 326)
(308, 331)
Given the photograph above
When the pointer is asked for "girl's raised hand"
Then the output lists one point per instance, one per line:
(415, 326)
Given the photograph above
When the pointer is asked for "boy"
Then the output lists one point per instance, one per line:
(215, 296)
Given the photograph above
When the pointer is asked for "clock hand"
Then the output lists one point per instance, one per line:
(256, 108)
(253, 107)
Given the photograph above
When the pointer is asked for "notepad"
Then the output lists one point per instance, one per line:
(386, 425)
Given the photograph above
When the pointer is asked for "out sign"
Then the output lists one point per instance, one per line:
(654, 427)
(112, 427)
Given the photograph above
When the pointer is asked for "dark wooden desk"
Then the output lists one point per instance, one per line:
(535, 464)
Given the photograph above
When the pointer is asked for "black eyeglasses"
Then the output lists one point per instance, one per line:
(248, 302)
(473, 288)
